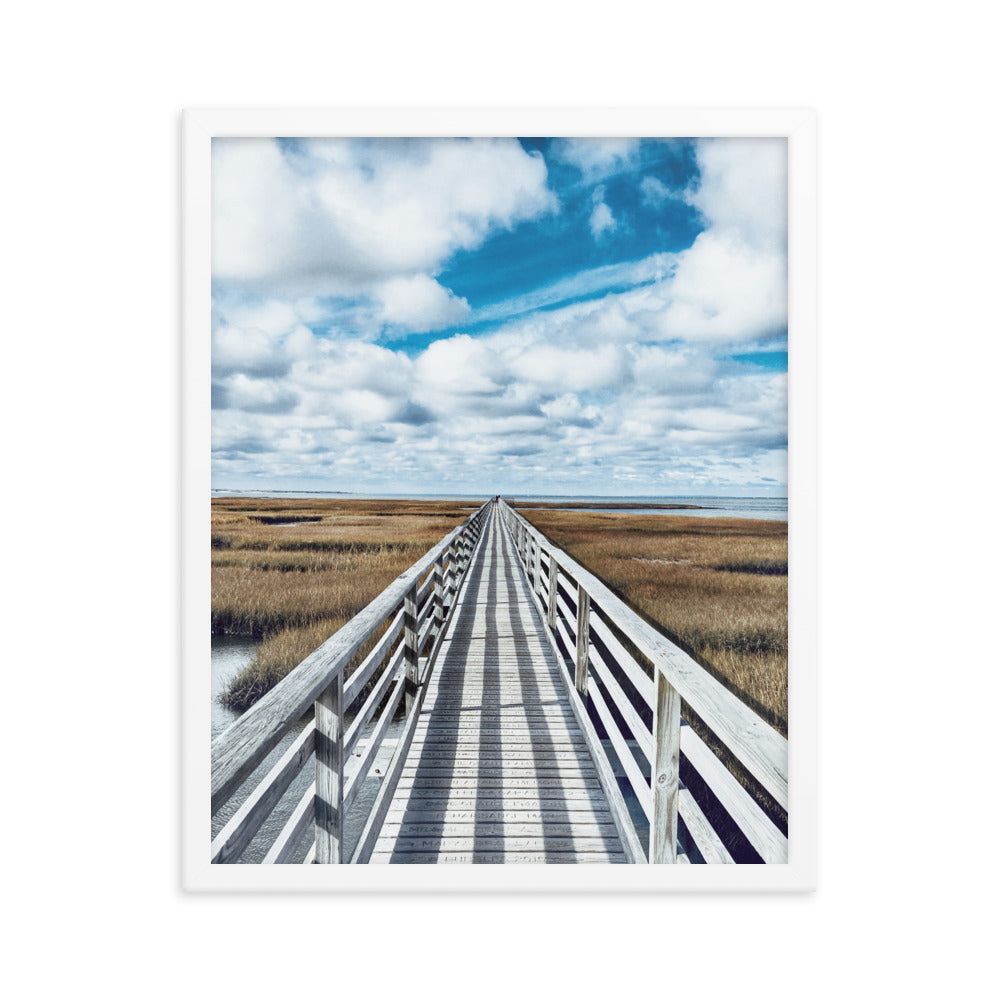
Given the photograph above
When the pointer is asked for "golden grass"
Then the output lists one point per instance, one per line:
(294, 584)
(718, 586)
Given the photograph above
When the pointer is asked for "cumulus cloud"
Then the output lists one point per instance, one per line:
(743, 190)
(731, 285)
(725, 291)
(598, 158)
(333, 216)
(418, 302)
(246, 351)
(577, 383)
(553, 368)
(461, 366)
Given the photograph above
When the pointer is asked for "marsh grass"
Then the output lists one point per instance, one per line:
(290, 573)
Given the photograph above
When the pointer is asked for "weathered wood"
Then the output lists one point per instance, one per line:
(412, 813)
(424, 618)
(568, 615)
(563, 784)
(425, 590)
(666, 773)
(482, 801)
(465, 744)
(501, 858)
(582, 638)
(300, 820)
(760, 748)
(497, 754)
(705, 838)
(241, 747)
(369, 835)
(765, 838)
(552, 606)
(635, 777)
(439, 594)
(632, 848)
(617, 695)
(330, 774)
(373, 701)
(470, 843)
(354, 685)
(562, 632)
(481, 829)
(475, 769)
(411, 649)
(232, 839)
(642, 683)
(374, 744)
(508, 736)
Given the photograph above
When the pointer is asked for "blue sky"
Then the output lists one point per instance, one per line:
(563, 316)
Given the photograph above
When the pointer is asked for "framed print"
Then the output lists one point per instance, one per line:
(500, 489)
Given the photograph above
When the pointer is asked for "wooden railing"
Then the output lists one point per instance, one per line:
(405, 623)
(647, 729)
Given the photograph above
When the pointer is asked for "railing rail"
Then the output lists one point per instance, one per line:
(405, 623)
(645, 728)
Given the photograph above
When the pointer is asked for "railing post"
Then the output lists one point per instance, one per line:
(451, 577)
(538, 568)
(329, 805)
(411, 655)
(666, 773)
(439, 595)
(582, 637)
(553, 590)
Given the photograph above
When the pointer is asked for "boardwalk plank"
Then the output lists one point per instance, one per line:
(499, 771)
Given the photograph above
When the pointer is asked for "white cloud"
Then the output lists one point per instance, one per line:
(567, 409)
(601, 219)
(625, 392)
(332, 216)
(457, 368)
(259, 395)
(272, 316)
(724, 290)
(556, 368)
(419, 302)
(731, 285)
(250, 351)
(654, 192)
(598, 158)
(743, 190)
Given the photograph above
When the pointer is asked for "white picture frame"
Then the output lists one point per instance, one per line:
(799, 127)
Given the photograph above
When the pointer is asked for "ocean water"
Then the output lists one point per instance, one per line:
(767, 508)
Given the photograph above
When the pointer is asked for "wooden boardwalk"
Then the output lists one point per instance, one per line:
(498, 770)
(542, 721)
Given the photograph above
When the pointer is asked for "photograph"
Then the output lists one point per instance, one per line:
(499, 491)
